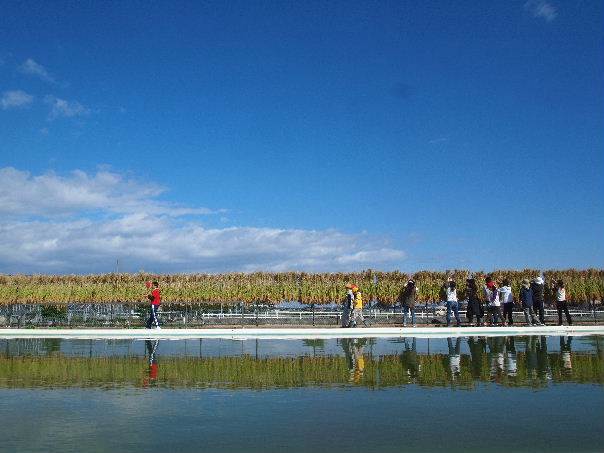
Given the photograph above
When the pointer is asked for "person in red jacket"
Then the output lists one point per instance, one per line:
(155, 298)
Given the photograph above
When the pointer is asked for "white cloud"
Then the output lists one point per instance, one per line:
(542, 9)
(161, 245)
(144, 232)
(15, 99)
(50, 195)
(62, 108)
(30, 67)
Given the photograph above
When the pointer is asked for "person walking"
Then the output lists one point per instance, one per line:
(538, 290)
(357, 311)
(526, 299)
(452, 303)
(493, 304)
(507, 299)
(408, 297)
(561, 303)
(155, 298)
(348, 303)
(475, 307)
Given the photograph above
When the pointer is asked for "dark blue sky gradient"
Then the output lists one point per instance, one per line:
(469, 134)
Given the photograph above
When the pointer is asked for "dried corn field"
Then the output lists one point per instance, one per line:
(310, 288)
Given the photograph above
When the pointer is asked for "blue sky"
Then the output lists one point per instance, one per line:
(329, 136)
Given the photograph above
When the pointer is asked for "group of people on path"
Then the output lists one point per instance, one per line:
(494, 298)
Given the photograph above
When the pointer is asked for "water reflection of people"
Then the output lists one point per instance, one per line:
(496, 347)
(409, 359)
(532, 360)
(511, 362)
(153, 367)
(565, 354)
(454, 356)
(353, 351)
(543, 358)
(477, 346)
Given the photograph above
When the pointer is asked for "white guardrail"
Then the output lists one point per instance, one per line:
(375, 314)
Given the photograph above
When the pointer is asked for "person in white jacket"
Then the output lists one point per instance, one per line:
(561, 304)
(452, 303)
(507, 299)
(493, 303)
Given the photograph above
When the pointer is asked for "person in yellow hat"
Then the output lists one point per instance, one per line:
(357, 311)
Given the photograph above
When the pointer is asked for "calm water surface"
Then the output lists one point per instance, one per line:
(496, 394)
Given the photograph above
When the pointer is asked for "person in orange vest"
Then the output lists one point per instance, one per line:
(155, 298)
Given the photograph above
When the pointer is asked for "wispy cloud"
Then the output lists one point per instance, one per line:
(52, 195)
(158, 244)
(31, 67)
(107, 216)
(15, 99)
(541, 9)
(63, 108)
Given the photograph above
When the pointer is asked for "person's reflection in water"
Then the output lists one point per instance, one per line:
(454, 357)
(565, 354)
(353, 350)
(359, 359)
(496, 346)
(477, 347)
(410, 360)
(543, 359)
(532, 360)
(346, 347)
(153, 367)
(511, 362)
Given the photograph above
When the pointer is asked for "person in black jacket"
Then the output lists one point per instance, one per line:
(526, 298)
(475, 307)
(538, 290)
(408, 296)
(347, 306)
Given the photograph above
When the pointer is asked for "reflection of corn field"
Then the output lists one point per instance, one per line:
(582, 286)
(57, 370)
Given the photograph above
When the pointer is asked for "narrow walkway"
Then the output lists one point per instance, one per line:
(299, 333)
